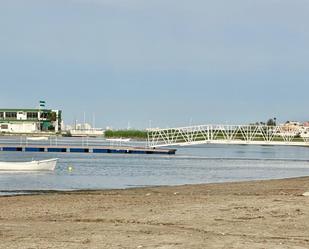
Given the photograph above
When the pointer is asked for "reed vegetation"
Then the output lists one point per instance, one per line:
(135, 134)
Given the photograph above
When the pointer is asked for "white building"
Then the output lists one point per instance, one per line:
(29, 120)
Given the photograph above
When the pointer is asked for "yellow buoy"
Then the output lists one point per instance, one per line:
(70, 168)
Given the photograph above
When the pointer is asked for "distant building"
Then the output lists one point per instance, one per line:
(84, 130)
(30, 120)
(84, 126)
(306, 124)
(292, 126)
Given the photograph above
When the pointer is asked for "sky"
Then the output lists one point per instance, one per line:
(158, 63)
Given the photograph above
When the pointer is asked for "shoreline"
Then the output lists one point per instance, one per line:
(34, 192)
(247, 214)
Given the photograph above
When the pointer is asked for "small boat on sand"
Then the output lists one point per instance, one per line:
(41, 165)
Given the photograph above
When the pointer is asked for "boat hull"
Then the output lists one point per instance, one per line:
(43, 165)
(37, 138)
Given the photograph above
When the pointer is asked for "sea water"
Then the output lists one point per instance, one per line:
(192, 164)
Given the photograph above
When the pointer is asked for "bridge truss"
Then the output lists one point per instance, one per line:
(228, 134)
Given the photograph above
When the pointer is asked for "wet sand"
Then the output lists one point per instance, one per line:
(257, 214)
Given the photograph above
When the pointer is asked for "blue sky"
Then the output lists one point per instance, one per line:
(172, 62)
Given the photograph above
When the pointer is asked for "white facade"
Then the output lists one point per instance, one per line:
(20, 127)
(21, 116)
(56, 125)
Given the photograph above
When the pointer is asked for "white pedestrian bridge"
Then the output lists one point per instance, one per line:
(228, 134)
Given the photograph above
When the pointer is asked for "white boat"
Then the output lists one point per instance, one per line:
(41, 165)
(37, 138)
(118, 139)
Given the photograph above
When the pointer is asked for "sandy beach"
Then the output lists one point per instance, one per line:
(256, 214)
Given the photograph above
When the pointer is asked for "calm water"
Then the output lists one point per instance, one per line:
(196, 164)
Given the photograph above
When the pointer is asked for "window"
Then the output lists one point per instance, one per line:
(1, 115)
(11, 115)
(32, 115)
(4, 127)
(44, 115)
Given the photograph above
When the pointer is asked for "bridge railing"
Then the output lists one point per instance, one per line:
(258, 134)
